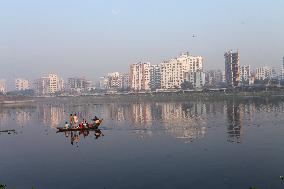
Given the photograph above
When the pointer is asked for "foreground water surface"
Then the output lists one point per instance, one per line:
(224, 144)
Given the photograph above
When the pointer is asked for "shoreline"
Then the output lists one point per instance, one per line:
(160, 97)
(152, 97)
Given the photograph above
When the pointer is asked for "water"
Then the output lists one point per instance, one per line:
(222, 144)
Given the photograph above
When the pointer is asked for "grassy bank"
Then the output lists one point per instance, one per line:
(165, 97)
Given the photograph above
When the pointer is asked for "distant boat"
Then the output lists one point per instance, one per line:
(90, 127)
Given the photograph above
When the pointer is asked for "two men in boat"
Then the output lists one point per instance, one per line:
(84, 124)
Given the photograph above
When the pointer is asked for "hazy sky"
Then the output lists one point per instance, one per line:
(90, 38)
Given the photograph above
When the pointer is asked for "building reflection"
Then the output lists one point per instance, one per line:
(184, 121)
(187, 121)
(20, 115)
(51, 115)
(181, 120)
(3, 117)
(23, 117)
(235, 115)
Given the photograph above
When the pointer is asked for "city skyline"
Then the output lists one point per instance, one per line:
(169, 74)
(86, 39)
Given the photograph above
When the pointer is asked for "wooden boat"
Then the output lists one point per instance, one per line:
(91, 127)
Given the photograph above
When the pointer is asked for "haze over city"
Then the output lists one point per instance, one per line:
(92, 38)
(141, 94)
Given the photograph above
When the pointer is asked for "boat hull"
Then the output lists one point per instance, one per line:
(93, 128)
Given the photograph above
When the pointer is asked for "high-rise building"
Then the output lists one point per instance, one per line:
(3, 88)
(77, 84)
(173, 71)
(155, 77)
(125, 81)
(140, 76)
(49, 84)
(245, 73)
(263, 73)
(114, 80)
(103, 83)
(41, 86)
(22, 84)
(53, 83)
(232, 68)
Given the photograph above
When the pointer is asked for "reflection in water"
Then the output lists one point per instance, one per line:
(235, 122)
(188, 121)
(52, 115)
(23, 117)
(76, 136)
(145, 137)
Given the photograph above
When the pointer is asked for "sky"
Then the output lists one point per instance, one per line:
(91, 38)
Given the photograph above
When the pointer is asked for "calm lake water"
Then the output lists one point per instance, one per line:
(222, 145)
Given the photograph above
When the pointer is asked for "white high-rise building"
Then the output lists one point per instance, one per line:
(263, 73)
(53, 83)
(3, 86)
(140, 76)
(173, 71)
(114, 80)
(48, 84)
(22, 84)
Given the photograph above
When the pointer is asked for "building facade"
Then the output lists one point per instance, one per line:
(197, 79)
(140, 76)
(232, 68)
(78, 84)
(125, 83)
(263, 73)
(214, 77)
(114, 80)
(103, 83)
(155, 77)
(22, 84)
(3, 88)
(41, 86)
(173, 71)
(49, 84)
(53, 83)
(245, 73)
